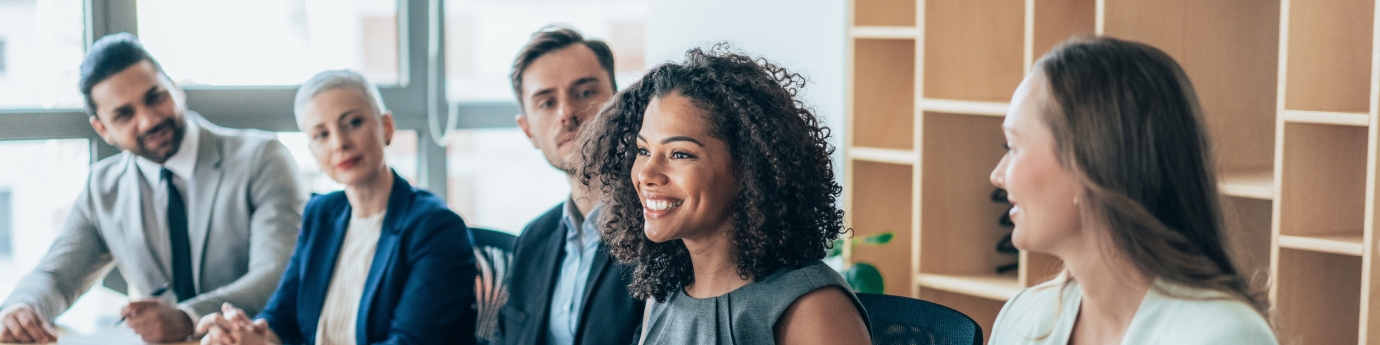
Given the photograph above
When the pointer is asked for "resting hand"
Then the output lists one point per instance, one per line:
(157, 321)
(20, 323)
(232, 326)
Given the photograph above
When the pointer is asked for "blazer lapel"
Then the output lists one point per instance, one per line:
(398, 202)
(555, 249)
(596, 276)
(207, 183)
(317, 282)
(131, 206)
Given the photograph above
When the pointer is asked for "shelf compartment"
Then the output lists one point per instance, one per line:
(1057, 20)
(973, 49)
(880, 155)
(881, 202)
(884, 32)
(1254, 183)
(1322, 190)
(1327, 117)
(1318, 297)
(884, 12)
(883, 93)
(1247, 229)
(990, 286)
(1342, 243)
(964, 107)
(1329, 55)
(959, 223)
(1230, 51)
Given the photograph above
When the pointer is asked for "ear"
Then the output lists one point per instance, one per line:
(100, 129)
(522, 123)
(179, 96)
(387, 121)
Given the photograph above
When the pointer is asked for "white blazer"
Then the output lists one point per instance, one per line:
(1044, 314)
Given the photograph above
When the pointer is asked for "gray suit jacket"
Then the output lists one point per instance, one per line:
(242, 223)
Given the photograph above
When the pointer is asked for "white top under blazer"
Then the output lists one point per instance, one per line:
(1042, 315)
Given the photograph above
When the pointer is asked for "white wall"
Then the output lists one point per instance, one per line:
(805, 36)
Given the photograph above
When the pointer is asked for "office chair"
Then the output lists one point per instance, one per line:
(493, 253)
(900, 320)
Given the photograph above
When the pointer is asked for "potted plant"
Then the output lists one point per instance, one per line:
(861, 276)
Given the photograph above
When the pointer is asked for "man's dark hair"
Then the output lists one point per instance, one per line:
(552, 38)
(110, 55)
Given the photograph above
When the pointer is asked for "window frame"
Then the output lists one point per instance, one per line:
(414, 100)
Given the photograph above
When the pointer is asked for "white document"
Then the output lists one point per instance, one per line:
(106, 336)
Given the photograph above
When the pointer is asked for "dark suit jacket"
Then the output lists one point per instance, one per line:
(420, 285)
(610, 314)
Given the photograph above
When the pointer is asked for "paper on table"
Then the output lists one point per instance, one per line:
(107, 336)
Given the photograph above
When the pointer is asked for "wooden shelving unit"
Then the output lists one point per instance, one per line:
(1289, 90)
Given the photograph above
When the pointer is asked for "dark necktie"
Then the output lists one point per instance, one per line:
(182, 282)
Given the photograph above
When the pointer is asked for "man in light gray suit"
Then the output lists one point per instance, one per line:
(207, 215)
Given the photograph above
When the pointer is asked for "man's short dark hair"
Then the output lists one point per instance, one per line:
(552, 38)
(110, 55)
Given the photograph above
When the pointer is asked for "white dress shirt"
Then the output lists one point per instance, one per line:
(155, 196)
(341, 307)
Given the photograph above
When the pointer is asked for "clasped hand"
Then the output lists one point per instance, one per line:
(232, 326)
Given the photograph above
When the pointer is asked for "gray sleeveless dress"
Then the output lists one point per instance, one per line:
(745, 316)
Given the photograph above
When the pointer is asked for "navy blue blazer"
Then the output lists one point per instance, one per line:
(420, 286)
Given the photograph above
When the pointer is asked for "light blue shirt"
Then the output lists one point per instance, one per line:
(567, 299)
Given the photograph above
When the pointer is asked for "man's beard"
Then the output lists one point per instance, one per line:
(179, 130)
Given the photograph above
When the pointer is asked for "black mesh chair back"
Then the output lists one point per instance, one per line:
(493, 253)
(900, 320)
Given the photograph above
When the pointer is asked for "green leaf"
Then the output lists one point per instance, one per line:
(864, 277)
(879, 239)
(836, 249)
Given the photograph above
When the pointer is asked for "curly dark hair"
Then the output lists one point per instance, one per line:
(786, 211)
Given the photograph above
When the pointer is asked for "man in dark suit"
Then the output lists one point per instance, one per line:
(564, 288)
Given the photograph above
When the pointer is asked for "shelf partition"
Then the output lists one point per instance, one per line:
(884, 32)
(1254, 183)
(964, 107)
(991, 286)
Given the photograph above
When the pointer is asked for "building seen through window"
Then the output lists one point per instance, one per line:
(41, 46)
(270, 42)
(35, 198)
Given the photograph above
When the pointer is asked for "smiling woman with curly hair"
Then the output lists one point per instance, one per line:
(719, 190)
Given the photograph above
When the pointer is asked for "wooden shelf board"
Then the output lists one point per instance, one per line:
(1344, 244)
(990, 286)
(1327, 117)
(884, 32)
(881, 155)
(964, 107)
(1253, 183)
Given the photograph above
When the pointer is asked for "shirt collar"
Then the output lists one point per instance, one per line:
(182, 163)
(588, 223)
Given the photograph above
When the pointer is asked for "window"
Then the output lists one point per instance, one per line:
(6, 225)
(483, 36)
(270, 42)
(2, 57)
(46, 38)
(497, 180)
(36, 200)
